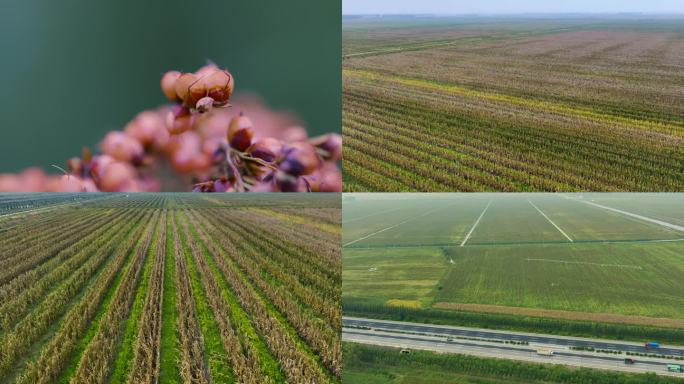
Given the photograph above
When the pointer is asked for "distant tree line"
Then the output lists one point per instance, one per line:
(515, 322)
(357, 356)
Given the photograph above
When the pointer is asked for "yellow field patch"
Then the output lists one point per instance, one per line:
(404, 303)
(299, 220)
(520, 101)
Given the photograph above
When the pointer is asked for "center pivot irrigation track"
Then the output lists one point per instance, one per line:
(550, 221)
(172, 288)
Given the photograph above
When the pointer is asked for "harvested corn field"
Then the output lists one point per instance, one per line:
(172, 288)
(513, 104)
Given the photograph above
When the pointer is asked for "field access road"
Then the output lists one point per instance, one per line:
(489, 343)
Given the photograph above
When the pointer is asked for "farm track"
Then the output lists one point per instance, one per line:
(159, 291)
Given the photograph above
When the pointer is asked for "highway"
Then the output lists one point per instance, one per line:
(489, 343)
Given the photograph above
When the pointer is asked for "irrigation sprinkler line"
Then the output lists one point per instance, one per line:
(550, 221)
(665, 224)
(475, 224)
(390, 246)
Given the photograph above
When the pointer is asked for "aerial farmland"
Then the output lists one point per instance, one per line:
(516, 253)
(170, 288)
(572, 103)
(586, 267)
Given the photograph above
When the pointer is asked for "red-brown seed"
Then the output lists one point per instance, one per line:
(204, 104)
(300, 159)
(219, 86)
(266, 149)
(179, 120)
(240, 132)
(183, 84)
(331, 146)
(168, 85)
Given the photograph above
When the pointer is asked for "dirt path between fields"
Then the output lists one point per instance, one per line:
(567, 315)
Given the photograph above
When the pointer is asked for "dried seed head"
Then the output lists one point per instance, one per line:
(327, 178)
(118, 176)
(148, 128)
(300, 159)
(122, 147)
(206, 70)
(288, 183)
(179, 120)
(240, 132)
(219, 86)
(168, 85)
(204, 104)
(183, 84)
(266, 149)
(330, 146)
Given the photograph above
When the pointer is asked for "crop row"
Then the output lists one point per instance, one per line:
(182, 295)
(412, 139)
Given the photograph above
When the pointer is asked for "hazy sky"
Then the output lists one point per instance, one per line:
(510, 6)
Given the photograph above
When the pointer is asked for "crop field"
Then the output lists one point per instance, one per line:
(596, 257)
(172, 288)
(513, 104)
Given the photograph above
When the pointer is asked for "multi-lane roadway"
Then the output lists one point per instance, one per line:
(491, 343)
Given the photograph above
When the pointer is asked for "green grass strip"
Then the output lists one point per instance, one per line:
(538, 105)
(272, 310)
(94, 325)
(374, 364)
(240, 320)
(124, 358)
(220, 369)
(169, 372)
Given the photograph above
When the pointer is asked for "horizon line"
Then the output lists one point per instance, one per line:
(677, 13)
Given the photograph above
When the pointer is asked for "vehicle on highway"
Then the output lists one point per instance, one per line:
(675, 368)
(652, 345)
(544, 352)
(629, 360)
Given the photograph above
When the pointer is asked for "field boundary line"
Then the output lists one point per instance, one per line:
(587, 263)
(475, 224)
(505, 244)
(665, 224)
(387, 229)
(550, 221)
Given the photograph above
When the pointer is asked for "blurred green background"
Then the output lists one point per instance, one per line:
(74, 69)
